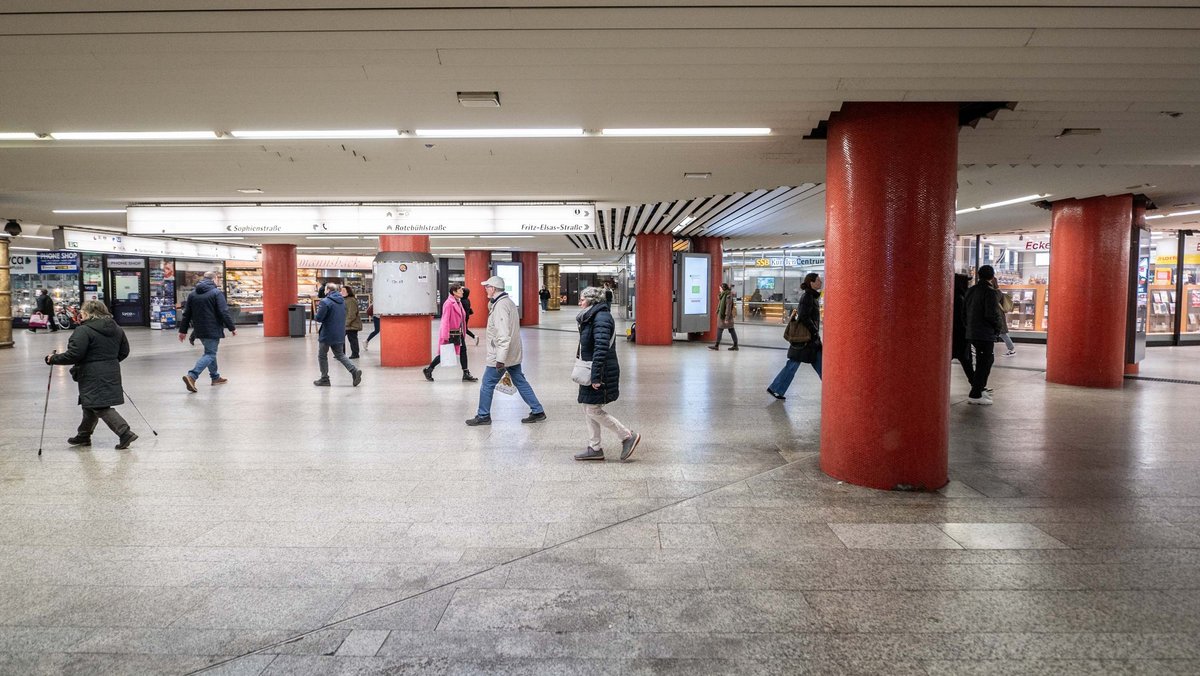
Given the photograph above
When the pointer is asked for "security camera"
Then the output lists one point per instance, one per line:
(12, 227)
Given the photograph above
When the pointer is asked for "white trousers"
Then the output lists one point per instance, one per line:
(597, 416)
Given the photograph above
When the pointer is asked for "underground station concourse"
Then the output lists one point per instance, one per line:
(878, 516)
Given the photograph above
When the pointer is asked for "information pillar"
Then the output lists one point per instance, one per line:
(652, 303)
(712, 247)
(280, 287)
(477, 267)
(405, 341)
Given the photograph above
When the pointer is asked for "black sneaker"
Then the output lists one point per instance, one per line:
(468, 378)
(321, 382)
(473, 422)
(428, 373)
(80, 440)
(534, 417)
(629, 445)
(714, 347)
(357, 377)
(733, 349)
(590, 454)
(775, 394)
(125, 440)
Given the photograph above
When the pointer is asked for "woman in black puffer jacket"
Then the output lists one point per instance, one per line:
(596, 331)
(96, 349)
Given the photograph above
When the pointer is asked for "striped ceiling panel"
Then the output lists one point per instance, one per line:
(733, 215)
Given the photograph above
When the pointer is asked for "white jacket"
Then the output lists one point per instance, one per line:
(504, 333)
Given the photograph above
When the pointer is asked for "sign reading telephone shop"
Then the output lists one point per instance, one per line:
(380, 219)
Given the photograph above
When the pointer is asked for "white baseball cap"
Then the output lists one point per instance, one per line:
(495, 281)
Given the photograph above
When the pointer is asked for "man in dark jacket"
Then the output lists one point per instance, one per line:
(207, 314)
(959, 348)
(331, 313)
(983, 322)
(45, 305)
(96, 349)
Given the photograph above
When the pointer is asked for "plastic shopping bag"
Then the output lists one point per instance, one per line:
(447, 353)
(505, 386)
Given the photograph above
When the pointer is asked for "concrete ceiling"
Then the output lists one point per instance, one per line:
(70, 65)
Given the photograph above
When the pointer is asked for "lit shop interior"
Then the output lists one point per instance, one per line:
(767, 282)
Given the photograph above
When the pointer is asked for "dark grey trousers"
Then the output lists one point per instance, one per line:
(110, 417)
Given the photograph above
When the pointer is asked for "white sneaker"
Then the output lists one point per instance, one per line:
(982, 401)
(1010, 353)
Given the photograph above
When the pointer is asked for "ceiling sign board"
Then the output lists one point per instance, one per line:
(102, 242)
(396, 219)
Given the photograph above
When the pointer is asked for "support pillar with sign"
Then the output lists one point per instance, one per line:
(6, 332)
(405, 339)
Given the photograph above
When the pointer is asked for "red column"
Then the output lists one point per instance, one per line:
(891, 182)
(531, 305)
(712, 247)
(1089, 276)
(652, 308)
(404, 341)
(477, 267)
(279, 287)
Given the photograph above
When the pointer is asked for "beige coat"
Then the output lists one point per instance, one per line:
(504, 333)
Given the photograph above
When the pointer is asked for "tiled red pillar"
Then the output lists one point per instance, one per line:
(477, 266)
(531, 305)
(280, 287)
(404, 341)
(1089, 276)
(712, 247)
(891, 182)
(652, 304)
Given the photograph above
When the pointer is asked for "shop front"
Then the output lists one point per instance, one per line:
(767, 282)
(244, 284)
(59, 273)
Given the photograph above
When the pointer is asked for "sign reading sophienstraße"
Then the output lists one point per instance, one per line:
(399, 219)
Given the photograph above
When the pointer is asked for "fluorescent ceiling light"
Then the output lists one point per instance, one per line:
(89, 211)
(689, 131)
(497, 133)
(316, 133)
(22, 236)
(250, 191)
(687, 220)
(1151, 218)
(993, 205)
(134, 135)
(25, 248)
(1182, 213)
(19, 136)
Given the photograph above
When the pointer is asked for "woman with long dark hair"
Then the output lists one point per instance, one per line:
(808, 313)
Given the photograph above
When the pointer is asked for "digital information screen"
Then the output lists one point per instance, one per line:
(693, 287)
(511, 274)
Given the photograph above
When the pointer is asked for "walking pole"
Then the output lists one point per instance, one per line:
(139, 411)
(46, 408)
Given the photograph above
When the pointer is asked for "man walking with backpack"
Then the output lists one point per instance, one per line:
(206, 313)
(331, 313)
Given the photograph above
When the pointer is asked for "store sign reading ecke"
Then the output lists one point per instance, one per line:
(1037, 246)
(397, 219)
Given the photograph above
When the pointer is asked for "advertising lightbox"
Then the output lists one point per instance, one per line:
(510, 272)
(693, 287)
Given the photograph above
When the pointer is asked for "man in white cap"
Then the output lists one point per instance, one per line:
(503, 355)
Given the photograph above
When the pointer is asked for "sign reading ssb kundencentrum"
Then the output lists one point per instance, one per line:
(375, 219)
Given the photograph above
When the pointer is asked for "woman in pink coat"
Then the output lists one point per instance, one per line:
(454, 326)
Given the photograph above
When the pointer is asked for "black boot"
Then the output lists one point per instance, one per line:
(128, 438)
(80, 440)
(468, 378)
(428, 373)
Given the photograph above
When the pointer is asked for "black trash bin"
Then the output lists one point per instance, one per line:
(296, 321)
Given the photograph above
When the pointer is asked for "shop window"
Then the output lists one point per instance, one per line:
(1190, 302)
(1022, 264)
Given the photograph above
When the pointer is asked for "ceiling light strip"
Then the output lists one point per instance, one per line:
(688, 131)
(498, 133)
(1005, 203)
(134, 135)
(301, 134)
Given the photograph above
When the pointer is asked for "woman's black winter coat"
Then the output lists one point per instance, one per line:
(96, 349)
(596, 328)
(809, 313)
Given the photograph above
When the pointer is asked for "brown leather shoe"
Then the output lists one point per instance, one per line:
(189, 383)
(219, 381)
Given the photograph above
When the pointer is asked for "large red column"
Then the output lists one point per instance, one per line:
(1089, 277)
(712, 247)
(891, 182)
(404, 341)
(279, 287)
(531, 305)
(477, 267)
(652, 308)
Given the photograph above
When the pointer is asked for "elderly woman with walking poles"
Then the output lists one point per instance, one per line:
(95, 351)
(599, 375)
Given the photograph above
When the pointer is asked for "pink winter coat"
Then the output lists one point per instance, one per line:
(453, 318)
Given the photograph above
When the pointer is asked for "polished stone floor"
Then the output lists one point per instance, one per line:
(275, 528)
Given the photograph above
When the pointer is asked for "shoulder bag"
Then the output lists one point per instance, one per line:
(581, 373)
(796, 331)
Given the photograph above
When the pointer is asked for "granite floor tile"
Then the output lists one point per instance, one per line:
(259, 608)
(362, 643)
(532, 574)
(1000, 536)
(592, 535)
(893, 536)
(1122, 535)
(688, 535)
(782, 536)
(393, 609)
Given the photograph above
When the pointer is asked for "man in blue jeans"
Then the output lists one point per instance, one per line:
(206, 313)
(503, 355)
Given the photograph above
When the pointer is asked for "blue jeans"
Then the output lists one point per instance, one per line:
(784, 380)
(208, 360)
(487, 387)
(1008, 342)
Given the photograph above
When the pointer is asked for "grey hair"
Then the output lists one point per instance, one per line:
(332, 286)
(211, 274)
(592, 295)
